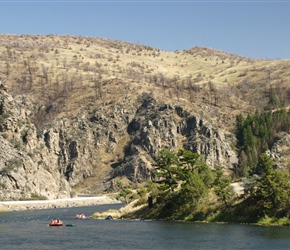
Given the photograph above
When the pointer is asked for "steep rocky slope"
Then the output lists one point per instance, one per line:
(78, 113)
(118, 141)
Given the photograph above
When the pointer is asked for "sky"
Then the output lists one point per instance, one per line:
(255, 29)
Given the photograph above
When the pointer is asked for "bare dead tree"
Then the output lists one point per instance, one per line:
(98, 86)
(45, 74)
(8, 69)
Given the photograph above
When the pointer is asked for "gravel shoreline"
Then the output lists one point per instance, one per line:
(57, 203)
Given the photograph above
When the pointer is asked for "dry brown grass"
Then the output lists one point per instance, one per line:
(130, 208)
(74, 72)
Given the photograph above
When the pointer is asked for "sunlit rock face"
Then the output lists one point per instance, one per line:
(104, 143)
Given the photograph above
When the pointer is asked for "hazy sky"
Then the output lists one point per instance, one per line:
(257, 29)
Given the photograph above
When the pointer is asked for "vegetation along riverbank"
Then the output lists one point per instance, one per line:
(185, 188)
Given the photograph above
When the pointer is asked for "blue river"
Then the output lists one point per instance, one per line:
(30, 230)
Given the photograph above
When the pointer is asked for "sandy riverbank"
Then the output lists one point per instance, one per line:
(46, 204)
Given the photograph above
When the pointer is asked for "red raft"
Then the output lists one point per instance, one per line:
(55, 223)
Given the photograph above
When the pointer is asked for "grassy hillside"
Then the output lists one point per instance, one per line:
(64, 74)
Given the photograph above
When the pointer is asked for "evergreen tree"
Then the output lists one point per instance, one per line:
(166, 166)
(191, 191)
(222, 186)
(256, 134)
(188, 178)
(273, 188)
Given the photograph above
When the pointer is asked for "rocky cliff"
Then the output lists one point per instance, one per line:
(100, 143)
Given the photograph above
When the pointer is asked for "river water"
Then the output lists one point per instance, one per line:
(30, 230)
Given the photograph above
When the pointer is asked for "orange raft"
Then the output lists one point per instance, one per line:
(55, 223)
